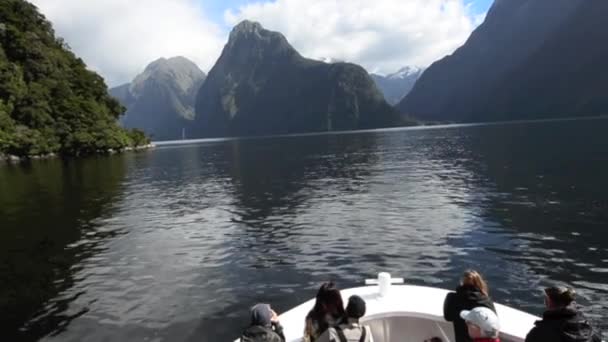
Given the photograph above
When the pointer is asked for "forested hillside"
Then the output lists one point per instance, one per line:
(49, 101)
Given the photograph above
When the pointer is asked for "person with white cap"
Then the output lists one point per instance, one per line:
(482, 324)
(472, 292)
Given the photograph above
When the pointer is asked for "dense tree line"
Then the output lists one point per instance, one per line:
(49, 101)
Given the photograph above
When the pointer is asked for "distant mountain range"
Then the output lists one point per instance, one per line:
(262, 85)
(397, 85)
(530, 59)
(160, 100)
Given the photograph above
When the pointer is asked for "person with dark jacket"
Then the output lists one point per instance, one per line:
(327, 312)
(350, 330)
(472, 293)
(265, 326)
(562, 322)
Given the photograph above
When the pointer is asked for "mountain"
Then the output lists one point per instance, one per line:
(261, 85)
(330, 60)
(49, 101)
(568, 75)
(529, 59)
(396, 86)
(160, 101)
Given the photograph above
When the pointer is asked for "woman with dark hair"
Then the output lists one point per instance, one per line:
(327, 312)
(350, 329)
(562, 321)
(471, 293)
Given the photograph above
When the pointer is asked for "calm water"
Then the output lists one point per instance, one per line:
(177, 243)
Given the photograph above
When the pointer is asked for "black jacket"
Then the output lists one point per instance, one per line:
(465, 298)
(258, 333)
(563, 325)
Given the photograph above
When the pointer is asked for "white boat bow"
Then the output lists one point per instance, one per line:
(406, 313)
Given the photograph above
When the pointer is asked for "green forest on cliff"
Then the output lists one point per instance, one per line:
(49, 101)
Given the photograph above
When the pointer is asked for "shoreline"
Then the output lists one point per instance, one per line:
(422, 126)
(13, 159)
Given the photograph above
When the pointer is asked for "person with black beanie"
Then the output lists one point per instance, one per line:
(350, 330)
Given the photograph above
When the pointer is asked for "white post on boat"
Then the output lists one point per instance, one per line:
(384, 283)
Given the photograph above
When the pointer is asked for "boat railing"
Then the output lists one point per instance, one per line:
(384, 282)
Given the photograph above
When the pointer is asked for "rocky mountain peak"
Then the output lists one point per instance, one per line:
(160, 100)
(261, 85)
(250, 42)
(246, 27)
(405, 72)
(179, 71)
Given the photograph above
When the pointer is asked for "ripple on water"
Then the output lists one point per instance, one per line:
(199, 233)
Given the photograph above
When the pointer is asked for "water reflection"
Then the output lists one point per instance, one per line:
(275, 180)
(50, 213)
(537, 188)
(549, 193)
(272, 182)
(201, 232)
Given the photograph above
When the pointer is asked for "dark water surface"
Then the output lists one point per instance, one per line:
(177, 243)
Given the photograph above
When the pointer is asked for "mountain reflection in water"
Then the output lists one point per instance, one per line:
(177, 243)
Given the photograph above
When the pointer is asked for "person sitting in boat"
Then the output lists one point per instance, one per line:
(327, 312)
(265, 326)
(349, 330)
(482, 324)
(562, 321)
(471, 293)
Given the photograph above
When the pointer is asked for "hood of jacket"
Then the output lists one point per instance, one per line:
(473, 295)
(570, 323)
(259, 333)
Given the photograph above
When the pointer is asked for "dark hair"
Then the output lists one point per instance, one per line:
(328, 301)
(560, 296)
(355, 308)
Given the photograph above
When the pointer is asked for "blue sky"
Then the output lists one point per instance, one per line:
(481, 6)
(216, 8)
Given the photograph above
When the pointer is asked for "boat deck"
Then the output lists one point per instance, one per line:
(408, 313)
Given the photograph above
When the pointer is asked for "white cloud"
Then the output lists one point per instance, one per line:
(118, 38)
(381, 35)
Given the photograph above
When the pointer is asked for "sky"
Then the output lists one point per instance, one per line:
(481, 6)
(118, 38)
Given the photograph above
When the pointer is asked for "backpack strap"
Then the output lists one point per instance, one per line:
(343, 338)
(363, 333)
(341, 334)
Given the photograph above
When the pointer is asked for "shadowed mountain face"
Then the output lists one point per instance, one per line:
(397, 85)
(529, 59)
(262, 85)
(160, 101)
